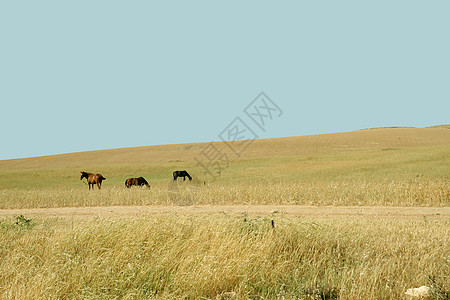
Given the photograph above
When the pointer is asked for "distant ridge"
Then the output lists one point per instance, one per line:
(440, 126)
(365, 139)
(447, 126)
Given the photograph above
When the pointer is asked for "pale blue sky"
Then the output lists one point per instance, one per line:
(88, 75)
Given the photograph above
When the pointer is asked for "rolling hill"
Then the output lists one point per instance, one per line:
(361, 140)
(383, 166)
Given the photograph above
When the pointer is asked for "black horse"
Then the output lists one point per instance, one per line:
(183, 174)
(140, 181)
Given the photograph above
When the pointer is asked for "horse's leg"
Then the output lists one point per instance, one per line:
(99, 185)
(184, 178)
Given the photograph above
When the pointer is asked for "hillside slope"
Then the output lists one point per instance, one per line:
(368, 139)
(386, 166)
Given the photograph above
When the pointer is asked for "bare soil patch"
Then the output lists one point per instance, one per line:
(236, 210)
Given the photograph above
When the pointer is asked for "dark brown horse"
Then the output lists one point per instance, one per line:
(136, 181)
(93, 179)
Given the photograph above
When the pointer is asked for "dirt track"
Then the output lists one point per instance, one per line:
(251, 210)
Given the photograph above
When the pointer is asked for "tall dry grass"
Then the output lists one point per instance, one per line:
(417, 192)
(221, 257)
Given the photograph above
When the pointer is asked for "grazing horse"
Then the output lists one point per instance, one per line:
(92, 179)
(183, 174)
(136, 181)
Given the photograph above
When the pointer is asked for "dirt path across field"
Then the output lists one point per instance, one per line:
(236, 210)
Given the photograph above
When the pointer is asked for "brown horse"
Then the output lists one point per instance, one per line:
(93, 179)
(136, 181)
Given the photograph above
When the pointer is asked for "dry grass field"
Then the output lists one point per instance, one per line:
(357, 215)
(180, 256)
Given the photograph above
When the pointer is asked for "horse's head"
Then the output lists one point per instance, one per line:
(83, 175)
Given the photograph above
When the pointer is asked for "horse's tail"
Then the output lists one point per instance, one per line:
(126, 183)
(103, 178)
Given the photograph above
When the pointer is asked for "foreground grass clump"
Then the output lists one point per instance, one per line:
(209, 257)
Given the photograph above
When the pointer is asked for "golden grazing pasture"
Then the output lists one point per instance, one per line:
(386, 166)
(173, 256)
